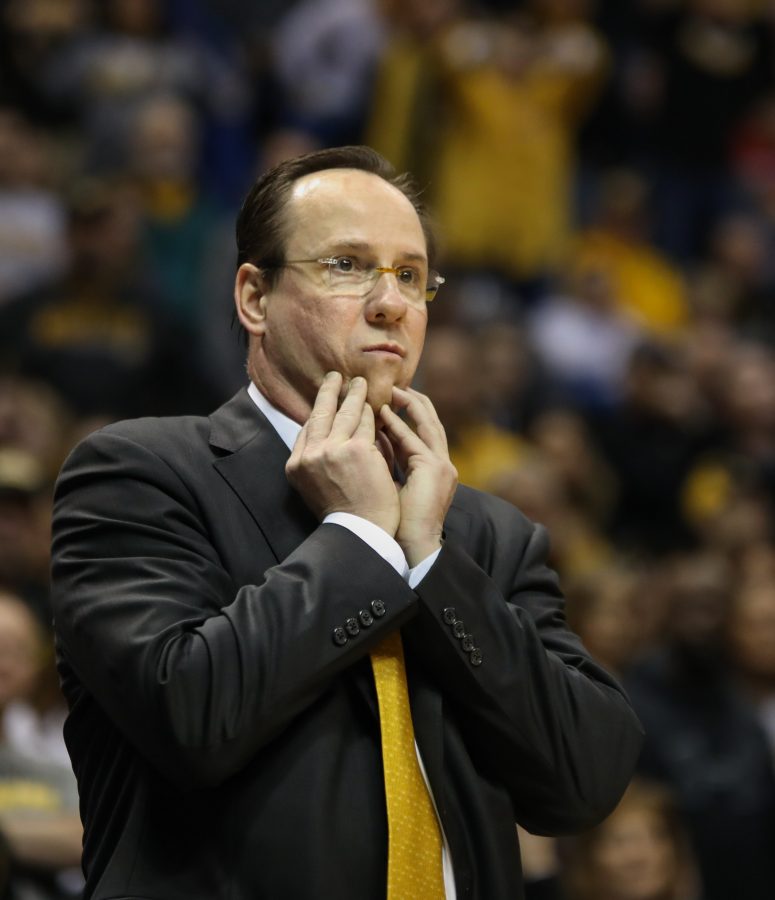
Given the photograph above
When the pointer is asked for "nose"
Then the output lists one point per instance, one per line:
(385, 302)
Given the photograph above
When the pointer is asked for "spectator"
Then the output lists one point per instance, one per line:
(449, 373)
(753, 159)
(562, 438)
(25, 526)
(134, 56)
(487, 111)
(752, 640)
(34, 419)
(99, 334)
(534, 485)
(602, 609)
(325, 54)
(747, 409)
(585, 339)
(32, 222)
(32, 34)
(179, 222)
(541, 866)
(725, 501)
(651, 442)
(640, 852)
(739, 254)
(714, 57)
(703, 738)
(514, 385)
(618, 245)
(38, 800)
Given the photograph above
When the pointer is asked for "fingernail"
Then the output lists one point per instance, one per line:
(330, 376)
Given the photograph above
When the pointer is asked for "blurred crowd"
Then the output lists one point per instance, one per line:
(602, 353)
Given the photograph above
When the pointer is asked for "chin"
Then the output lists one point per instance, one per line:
(380, 392)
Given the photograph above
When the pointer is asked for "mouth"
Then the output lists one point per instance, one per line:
(388, 348)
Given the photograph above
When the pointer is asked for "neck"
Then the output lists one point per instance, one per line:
(280, 394)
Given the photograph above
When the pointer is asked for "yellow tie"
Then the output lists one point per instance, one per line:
(414, 839)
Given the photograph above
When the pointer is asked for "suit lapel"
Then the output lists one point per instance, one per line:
(252, 461)
(254, 468)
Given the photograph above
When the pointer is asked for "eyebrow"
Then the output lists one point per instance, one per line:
(365, 247)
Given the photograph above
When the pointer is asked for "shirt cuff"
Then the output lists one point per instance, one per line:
(416, 575)
(377, 538)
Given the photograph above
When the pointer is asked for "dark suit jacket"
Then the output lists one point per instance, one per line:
(227, 746)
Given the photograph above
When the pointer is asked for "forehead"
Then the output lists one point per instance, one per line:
(340, 206)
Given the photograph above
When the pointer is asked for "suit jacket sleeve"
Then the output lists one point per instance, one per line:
(538, 714)
(197, 671)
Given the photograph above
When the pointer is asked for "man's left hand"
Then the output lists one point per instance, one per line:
(430, 476)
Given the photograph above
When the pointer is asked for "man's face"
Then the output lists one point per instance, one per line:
(309, 330)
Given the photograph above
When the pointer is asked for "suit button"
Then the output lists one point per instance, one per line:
(467, 643)
(476, 657)
(449, 615)
(351, 624)
(366, 618)
(378, 608)
(459, 629)
(339, 635)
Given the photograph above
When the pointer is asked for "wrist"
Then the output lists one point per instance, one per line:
(385, 523)
(385, 519)
(419, 549)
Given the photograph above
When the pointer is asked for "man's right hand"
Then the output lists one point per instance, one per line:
(336, 465)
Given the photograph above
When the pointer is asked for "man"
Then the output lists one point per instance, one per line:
(224, 609)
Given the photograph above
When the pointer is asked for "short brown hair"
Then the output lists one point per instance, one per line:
(583, 875)
(261, 223)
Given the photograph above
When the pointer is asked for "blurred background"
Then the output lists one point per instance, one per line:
(602, 353)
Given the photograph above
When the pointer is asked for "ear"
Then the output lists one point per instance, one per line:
(250, 287)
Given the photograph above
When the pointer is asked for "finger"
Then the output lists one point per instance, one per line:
(300, 443)
(324, 409)
(350, 415)
(414, 397)
(367, 427)
(386, 449)
(294, 460)
(424, 416)
(405, 441)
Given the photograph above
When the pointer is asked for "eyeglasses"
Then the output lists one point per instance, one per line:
(350, 277)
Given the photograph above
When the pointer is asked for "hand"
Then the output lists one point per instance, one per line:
(336, 465)
(430, 476)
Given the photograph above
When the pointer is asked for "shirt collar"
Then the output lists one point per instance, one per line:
(285, 427)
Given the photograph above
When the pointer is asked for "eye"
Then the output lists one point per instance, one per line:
(344, 265)
(408, 275)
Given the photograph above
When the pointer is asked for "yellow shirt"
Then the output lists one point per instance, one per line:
(496, 148)
(482, 451)
(645, 283)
